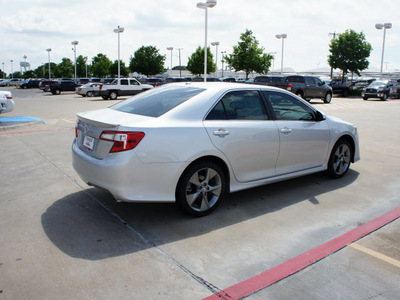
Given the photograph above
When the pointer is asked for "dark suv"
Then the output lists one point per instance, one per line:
(31, 83)
(308, 87)
(268, 80)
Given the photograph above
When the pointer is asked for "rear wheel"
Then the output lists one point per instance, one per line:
(89, 94)
(57, 91)
(300, 94)
(201, 188)
(340, 159)
(104, 97)
(113, 95)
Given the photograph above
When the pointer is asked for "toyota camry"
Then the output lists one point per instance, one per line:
(194, 143)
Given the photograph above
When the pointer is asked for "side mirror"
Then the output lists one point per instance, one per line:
(319, 116)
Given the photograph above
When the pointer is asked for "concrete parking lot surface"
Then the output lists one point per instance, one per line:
(61, 239)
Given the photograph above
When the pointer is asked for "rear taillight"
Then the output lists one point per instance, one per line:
(76, 128)
(9, 97)
(100, 86)
(289, 85)
(122, 140)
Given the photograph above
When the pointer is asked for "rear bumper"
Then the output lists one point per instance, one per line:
(126, 177)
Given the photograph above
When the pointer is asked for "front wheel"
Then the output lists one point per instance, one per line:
(57, 92)
(340, 159)
(385, 97)
(328, 98)
(365, 98)
(201, 188)
(89, 94)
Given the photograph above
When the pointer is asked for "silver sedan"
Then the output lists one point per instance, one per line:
(193, 143)
(88, 90)
(6, 101)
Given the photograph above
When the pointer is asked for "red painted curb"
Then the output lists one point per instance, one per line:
(275, 274)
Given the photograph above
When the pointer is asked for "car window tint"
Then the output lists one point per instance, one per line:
(239, 105)
(318, 81)
(133, 82)
(124, 82)
(289, 108)
(309, 80)
(157, 102)
(294, 79)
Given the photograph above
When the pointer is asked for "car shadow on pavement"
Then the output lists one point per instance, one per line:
(91, 225)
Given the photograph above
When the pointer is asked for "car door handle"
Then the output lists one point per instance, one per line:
(221, 132)
(286, 130)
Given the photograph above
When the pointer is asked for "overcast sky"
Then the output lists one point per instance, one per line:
(29, 27)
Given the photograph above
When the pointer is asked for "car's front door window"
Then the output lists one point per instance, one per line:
(289, 108)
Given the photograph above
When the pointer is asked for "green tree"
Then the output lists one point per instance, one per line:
(124, 70)
(349, 52)
(101, 65)
(30, 74)
(17, 74)
(247, 56)
(65, 69)
(196, 62)
(148, 61)
(81, 66)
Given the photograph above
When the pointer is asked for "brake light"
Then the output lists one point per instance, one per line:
(100, 86)
(266, 83)
(123, 141)
(289, 87)
(76, 128)
(9, 97)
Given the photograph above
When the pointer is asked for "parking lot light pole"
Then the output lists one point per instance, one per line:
(216, 44)
(282, 36)
(180, 68)
(74, 43)
(205, 6)
(118, 31)
(48, 52)
(384, 27)
(4, 73)
(222, 61)
(170, 49)
(12, 74)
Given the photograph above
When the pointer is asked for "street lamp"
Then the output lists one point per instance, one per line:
(12, 73)
(282, 36)
(205, 6)
(119, 30)
(216, 44)
(222, 61)
(384, 27)
(48, 51)
(180, 68)
(74, 43)
(170, 49)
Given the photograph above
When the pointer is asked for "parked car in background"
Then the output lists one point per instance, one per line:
(88, 90)
(382, 89)
(339, 87)
(307, 87)
(362, 83)
(154, 81)
(83, 81)
(138, 149)
(209, 79)
(228, 79)
(63, 86)
(30, 83)
(6, 102)
(268, 80)
(44, 83)
(122, 87)
(175, 79)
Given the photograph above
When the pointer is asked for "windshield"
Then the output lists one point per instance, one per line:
(157, 102)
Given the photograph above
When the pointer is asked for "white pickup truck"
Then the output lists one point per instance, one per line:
(122, 87)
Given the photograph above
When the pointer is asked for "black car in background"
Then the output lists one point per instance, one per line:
(30, 83)
(382, 89)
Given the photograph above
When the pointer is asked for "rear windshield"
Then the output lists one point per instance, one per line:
(157, 102)
(294, 79)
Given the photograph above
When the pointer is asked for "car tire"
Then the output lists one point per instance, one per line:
(201, 188)
(57, 92)
(385, 97)
(113, 95)
(365, 98)
(104, 97)
(24, 87)
(345, 93)
(340, 159)
(328, 98)
(89, 94)
(300, 94)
